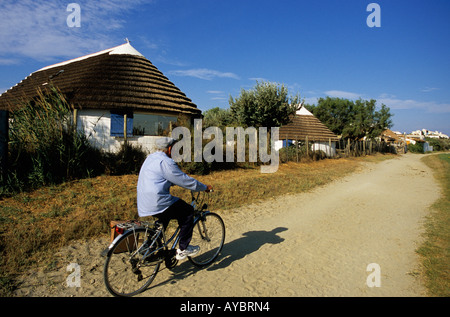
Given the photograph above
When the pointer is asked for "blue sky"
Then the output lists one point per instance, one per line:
(213, 49)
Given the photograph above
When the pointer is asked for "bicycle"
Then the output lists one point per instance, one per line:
(134, 257)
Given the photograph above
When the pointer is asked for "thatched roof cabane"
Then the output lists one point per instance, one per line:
(119, 78)
(389, 136)
(305, 125)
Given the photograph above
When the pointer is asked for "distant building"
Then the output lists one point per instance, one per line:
(394, 140)
(424, 133)
(306, 127)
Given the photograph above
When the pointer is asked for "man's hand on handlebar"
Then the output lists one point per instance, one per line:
(209, 188)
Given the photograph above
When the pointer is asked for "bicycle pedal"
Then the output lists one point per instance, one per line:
(137, 271)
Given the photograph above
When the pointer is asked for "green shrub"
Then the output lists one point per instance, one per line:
(45, 147)
(127, 161)
(439, 144)
(415, 148)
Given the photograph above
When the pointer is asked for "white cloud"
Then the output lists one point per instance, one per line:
(218, 95)
(8, 61)
(342, 94)
(203, 73)
(429, 89)
(215, 92)
(390, 101)
(39, 30)
(405, 104)
(259, 79)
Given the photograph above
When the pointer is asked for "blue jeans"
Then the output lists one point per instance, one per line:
(184, 214)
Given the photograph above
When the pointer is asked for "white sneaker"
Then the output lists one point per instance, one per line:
(189, 251)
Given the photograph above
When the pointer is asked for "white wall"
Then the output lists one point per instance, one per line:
(147, 143)
(96, 125)
(315, 146)
(325, 146)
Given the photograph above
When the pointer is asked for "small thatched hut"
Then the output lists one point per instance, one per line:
(112, 91)
(305, 127)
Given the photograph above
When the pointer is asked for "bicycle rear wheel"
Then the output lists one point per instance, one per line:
(125, 272)
(209, 235)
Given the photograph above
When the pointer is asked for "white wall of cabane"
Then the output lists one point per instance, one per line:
(325, 147)
(315, 146)
(96, 125)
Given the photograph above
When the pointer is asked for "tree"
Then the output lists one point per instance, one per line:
(267, 105)
(333, 112)
(217, 117)
(352, 119)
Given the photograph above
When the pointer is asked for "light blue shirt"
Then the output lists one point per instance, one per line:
(158, 173)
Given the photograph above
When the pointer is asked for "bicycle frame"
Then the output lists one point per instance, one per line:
(198, 213)
(175, 237)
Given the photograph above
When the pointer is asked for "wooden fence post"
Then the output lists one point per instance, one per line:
(125, 129)
(329, 145)
(75, 118)
(307, 147)
(348, 146)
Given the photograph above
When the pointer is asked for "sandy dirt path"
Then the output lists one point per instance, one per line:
(318, 243)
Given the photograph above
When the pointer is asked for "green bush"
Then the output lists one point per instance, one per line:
(127, 161)
(195, 168)
(45, 148)
(439, 144)
(415, 148)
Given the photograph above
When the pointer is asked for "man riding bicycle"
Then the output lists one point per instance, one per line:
(158, 173)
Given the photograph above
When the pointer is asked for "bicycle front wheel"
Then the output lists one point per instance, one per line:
(209, 235)
(126, 272)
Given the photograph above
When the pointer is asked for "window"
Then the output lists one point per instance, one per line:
(151, 124)
(139, 124)
(117, 124)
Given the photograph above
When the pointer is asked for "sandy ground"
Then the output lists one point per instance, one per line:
(318, 243)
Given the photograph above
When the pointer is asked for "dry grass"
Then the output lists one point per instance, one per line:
(36, 223)
(435, 250)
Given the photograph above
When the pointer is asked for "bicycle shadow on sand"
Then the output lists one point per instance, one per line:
(232, 251)
(250, 242)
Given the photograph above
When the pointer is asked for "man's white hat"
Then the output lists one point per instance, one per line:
(165, 142)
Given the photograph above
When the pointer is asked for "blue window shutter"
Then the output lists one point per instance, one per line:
(117, 124)
(289, 143)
